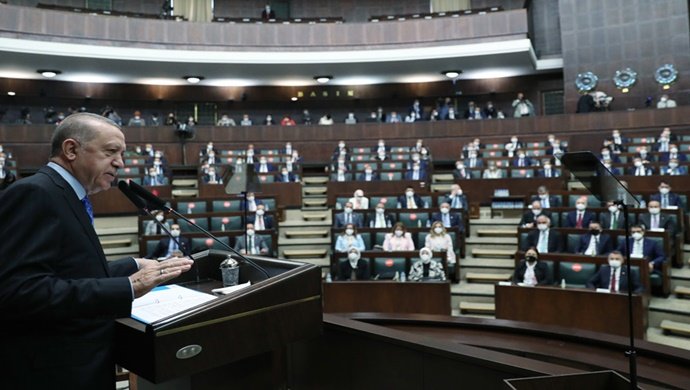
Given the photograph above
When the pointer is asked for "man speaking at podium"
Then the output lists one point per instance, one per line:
(58, 294)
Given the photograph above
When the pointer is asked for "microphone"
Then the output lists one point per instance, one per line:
(158, 204)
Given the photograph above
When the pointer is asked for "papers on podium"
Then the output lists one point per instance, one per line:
(164, 301)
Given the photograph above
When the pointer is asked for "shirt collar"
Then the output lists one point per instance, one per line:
(79, 189)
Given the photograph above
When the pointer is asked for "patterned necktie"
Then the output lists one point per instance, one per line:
(89, 208)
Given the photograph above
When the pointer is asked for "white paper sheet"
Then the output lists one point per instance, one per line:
(164, 301)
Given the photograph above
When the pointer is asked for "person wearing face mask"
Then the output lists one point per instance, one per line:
(639, 168)
(252, 203)
(348, 216)
(644, 248)
(447, 219)
(354, 268)
(666, 102)
(666, 197)
(416, 173)
(545, 239)
(256, 243)
(398, 239)
(673, 154)
(264, 166)
(368, 174)
(381, 147)
(490, 111)
(167, 247)
(606, 154)
(136, 120)
(417, 146)
(341, 150)
(210, 148)
(380, 219)
(547, 170)
(531, 272)
(608, 165)
(154, 179)
(513, 146)
(492, 172)
(267, 13)
(594, 243)
(349, 238)
(618, 142)
(529, 218)
(260, 219)
(285, 176)
(614, 276)
(644, 155)
(152, 228)
(410, 200)
(439, 240)
(547, 200)
(426, 268)
(522, 160)
(456, 198)
(359, 201)
(460, 171)
(614, 218)
(580, 217)
(212, 176)
(250, 154)
(656, 221)
(673, 168)
(557, 148)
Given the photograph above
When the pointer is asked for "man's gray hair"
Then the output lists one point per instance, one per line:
(77, 126)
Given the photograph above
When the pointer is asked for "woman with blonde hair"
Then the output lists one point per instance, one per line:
(440, 241)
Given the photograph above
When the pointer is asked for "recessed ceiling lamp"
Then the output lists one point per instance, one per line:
(323, 79)
(11, 93)
(48, 73)
(451, 74)
(193, 79)
(294, 98)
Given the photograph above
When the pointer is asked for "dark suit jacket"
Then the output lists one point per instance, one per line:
(54, 274)
(555, 241)
(357, 220)
(605, 219)
(605, 244)
(554, 173)
(362, 176)
(463, 201)
(422, 175)
(541, 271)
(259, 244)
(8, 179)
(665, 157)
(649, 171)
(665, 222)
(345, 270)
(243, 204)
(673, 198)
(455, 220)
(529, 217)
(279, 178)
(268, 220)
(602, 279)
(371, 218)
(650, 250)
(402, 200)
(571, 219)
(161, 249)
(478, 164)
(464, 174)
(516, 161)
(554, 201)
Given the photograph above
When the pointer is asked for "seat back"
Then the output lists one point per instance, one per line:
(226, 223)
(521, 172)
(186, 227)
(203, 243)
(389, 202)
(572, 242)
(386, 267)
(392, 166)
(191, 207)
(366, 238)
(391, 176)
(576, 274)
(266, 178)
(226, 205)
(412, 219)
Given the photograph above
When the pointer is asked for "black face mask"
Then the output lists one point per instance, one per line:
(594, 232)
(530, 259)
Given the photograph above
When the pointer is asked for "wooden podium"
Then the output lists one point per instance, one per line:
(205, 347)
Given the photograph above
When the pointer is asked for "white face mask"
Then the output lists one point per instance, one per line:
(368, 171)
(426, 258)
(459, 167)
(536, 211)
(409, 194)
(605, 154)
(671, 165)
(665, 190)
(542, 226)
(250, 198)
(341, 145)
(259, 212)
(175, 233)
(349, 232)
(580, 206)
(347, 210)
(547, 167)
(637, 236)
(615, 264)
(250, 232)
(398, 233)
(160, 218)
(674, 150)
(438, 230)
(444, 210)
(353, 256)
(638, 163)
(654, 210)
(613, 209)
(379, 211)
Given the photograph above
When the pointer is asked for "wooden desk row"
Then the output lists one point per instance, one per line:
(201, 242)
(383, 262)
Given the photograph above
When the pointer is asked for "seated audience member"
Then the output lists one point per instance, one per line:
(513, 146)
(341, 151)
(594, 243)
(426, 268)
(580, 217)
(152, 228)
(556, 149)
(268, 121)
(613, 218)
(434, 115)
(211, 158)
(342, 176)
(381, 156)
(472, 161)
(368, 174)
(136, 120)
(490, 111)
(393, 118)
(606, 154)
(359, 201)
(398, 240)
(246, 121)
(663, 143)
(212, 177)
(492, 172)
(614, 171)
(306, 117)
(155, 120)
(665, 102)
(528, 219)
(267, 13)
(252, 203)
(547, 200)
(264, 166)
(381, 146)
(611, 147)
(410, 200)
(417, 146)
(226, 121)
(447, 219)
(461, 172)
(380, 219)
(476, 114)
(349, 238)
(639, 168)
(171, 120)
(416, 111)
(456, 198)
(522, 106)
(438, 240)
(672, 154)
(260, 219)
(644, 155)
(341, 162)
(469, 111)
(665, 197)
(548, 171)
(416, 173)
(355, 268)
(351, 119)
(209, 149)
(168, 247)
(416, 157)
(674, 169)
(294, 161)
(154, 179)
(287, 149)
(348, 216)
(287, 121)
(530, 271)
(644, 248)
(148, 151)
(326, 120)
(257, 244)
(285, 176)
(617, 141)
(654, 220)
(544, 238)
(6, 176)
(522, 160)
(614, 276)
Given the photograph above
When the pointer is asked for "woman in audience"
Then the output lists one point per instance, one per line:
(426, 268)
(440, 241)
(354, 268)
(349, 239)
(398, 240)
(530, 271)
(152, 228)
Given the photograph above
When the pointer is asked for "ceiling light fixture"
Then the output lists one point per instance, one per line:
(193, 79)
(11, 93)
(48, 73)
(323, 79)
(294, 98)
(451, 74)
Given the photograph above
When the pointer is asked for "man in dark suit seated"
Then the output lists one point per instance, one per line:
(655, 220)
(354, 268)
(416, 173)
(410, 200)
(594, 243)
(665, 197)
(461, 172)
(644, 248)
(639, 168)
(448, 219)
(522, 161)
(457, 199)
(672, 153)
(168, 247)
(368, 174)
(252, 202)
(380, 219)
(258, 244)
(348, 216)
(673, 169)
(264, 166)
(529, 218)
(614, 218)
(212, 176)
(580, 217)
(473, 161)
(547, 201)
(267, 13)
(260, 219)
(548, 171)
(614, 276)
(154, 179)
(530, 271)
(284, 176)
(545, 239)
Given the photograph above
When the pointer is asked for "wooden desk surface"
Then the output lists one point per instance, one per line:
(386, 297)
(574, 308)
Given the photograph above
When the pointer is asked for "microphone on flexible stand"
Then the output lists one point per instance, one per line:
(158, 204)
